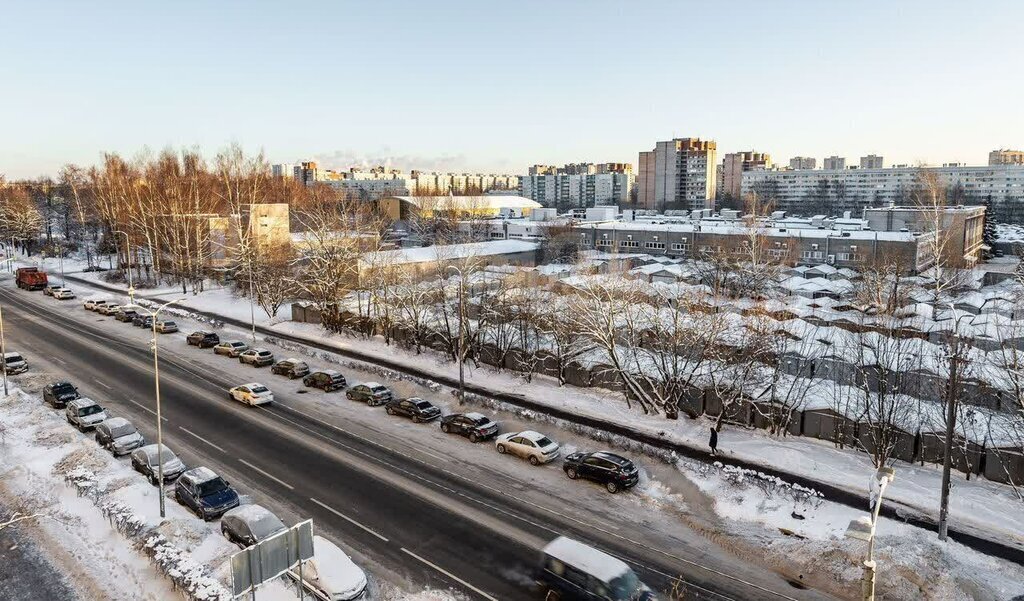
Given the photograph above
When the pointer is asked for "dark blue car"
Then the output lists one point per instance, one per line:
(205, 493)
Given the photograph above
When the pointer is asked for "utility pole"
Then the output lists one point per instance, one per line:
(3, 350)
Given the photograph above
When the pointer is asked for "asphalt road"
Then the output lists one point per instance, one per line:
(417, 521)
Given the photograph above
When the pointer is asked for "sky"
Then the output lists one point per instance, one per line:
(498, 86)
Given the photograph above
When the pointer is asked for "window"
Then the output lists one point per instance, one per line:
(604, 242)
(681, 247)
(629, 244)
(655, 245)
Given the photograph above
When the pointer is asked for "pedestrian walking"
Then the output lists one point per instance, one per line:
(713, 443)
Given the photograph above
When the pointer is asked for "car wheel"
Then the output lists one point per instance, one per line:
(231, 396)
(445, 428)
(153, 480)
(390, 411)
(571, 472)
(501, 449)
(534, 461)
(416, 419)
(474, 437)
(611, 487)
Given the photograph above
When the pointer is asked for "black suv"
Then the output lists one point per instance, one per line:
(127, 315)
(415, 408)
(371, 392)
(327, 380)
(615, 472)
(474, 426)
(58, 394)
(203, 339)
(293, 368)
(143, 321)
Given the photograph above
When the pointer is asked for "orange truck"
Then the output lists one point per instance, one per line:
(30, 278)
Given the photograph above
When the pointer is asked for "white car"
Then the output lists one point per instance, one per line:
(331, 573)
(93, 304)
(532, 446)
(14, 363)
(84, 413)
(63, 294)
(252, 393)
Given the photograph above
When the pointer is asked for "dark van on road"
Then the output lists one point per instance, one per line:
(203, 339)
(572, 571)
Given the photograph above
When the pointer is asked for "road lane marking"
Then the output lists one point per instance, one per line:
(278, 480)
(102, 384)
(348, 519)
(141, 406)
(449, 574)
(191, 433)
(59, 360)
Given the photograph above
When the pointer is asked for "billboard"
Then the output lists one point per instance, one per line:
(271, 558)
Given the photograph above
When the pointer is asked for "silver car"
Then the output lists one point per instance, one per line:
(249, 524)
(14, 363)
(84, 413)
(147, 462)
(118, 436)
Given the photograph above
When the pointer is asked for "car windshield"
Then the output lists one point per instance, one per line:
(64, 388)
(264, 353)
(212, 487)
(165, 456)
(169, 323)
(543, 441)
(265, 526)
(120, 431)
(13, 359)
(258, 389)
(625, 586)
(237, 344)
(90, 410)
(480, 421)
(422, 404)
(380, 389)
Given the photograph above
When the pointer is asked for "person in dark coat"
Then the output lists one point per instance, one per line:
(713, 443)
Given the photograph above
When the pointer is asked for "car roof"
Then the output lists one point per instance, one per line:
(83, 402)
(116, 422)
(330, 372)
(588, 559)
(476, 416)
(372, 384)
(530, 435)
(150, 449)
(61, 383)
(618, 459)
(200, 474)
(291, 360)
(252, 384)
(11, 354)
(249, 513)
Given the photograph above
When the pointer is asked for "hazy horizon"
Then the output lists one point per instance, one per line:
(453, 87)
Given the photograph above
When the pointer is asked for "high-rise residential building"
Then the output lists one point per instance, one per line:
(831, 192)
(381, 181)
(578, 185)
(678, 174)
(1006, 157)
(285, 170)
(871, 161)
(732, 168)
(834, 163)
(803, 163)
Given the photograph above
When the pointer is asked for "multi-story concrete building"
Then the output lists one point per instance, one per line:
(285, 170)
(1006, 157)
(960, 229)
(871, 161)
(679, 173)
(377, 182)
(834, 191)
(578, 185)
(803, 163)
(834, 163)
(734, 164)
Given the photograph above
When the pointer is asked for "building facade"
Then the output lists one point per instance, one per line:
(377, 182)
(1006, 157)
(834, 163)
(734, 164)
(960, 238)
(803, 163)
(831, 192)
(578, 186)
(679, 173)
(871, 161)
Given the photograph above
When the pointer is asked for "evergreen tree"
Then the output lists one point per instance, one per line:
(988, 235)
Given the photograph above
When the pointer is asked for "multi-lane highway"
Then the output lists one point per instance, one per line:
(413, 515)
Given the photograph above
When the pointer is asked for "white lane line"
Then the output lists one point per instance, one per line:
(59, 360)
(278, 480)
(102, 384)
(349, 520)
(193, 434)
(141, 406)
(449, 574)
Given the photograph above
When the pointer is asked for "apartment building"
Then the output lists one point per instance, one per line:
(871, 161)
(734, 164)
(834, 163)
(678, 174)
(578, 185)
(1006, 157)
(803, 163)
(377, 182)
(832, 191)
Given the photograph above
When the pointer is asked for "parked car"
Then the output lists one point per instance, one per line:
(415, 408)
(247, 525)
(107, 308)
(203, 339)
(14, 363)
(51, 289)
(326, 380)
(143, 321)
(474, 426)
(231, 348)
(126, 315)
(205, 493)
(611, 470)
(92, 268)
(252, 393)
(57, 394)
(166, 326)
(257, 357)
(373, 393)
(146, 461)
(573, 570)
(293, 368)
(331, 573)
(63, 294)
(118, 436)
(84, 413)
(532, 446)
(93, 304)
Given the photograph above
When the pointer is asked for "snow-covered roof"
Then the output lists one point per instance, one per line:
(596, 563)
(334, 569)
(492, 201)
(426, 254)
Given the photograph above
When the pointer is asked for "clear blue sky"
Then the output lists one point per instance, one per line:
(501, 85)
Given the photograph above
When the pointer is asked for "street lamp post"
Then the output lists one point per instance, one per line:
(3, 350)
(462, 339)
(128, 253)
(863, 528)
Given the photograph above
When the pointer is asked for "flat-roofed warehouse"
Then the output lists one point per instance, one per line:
(404, 207)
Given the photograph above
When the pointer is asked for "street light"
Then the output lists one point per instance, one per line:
(159, 416)
(128, 253)
(3, 349)
(462, 341)
(863, 528)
